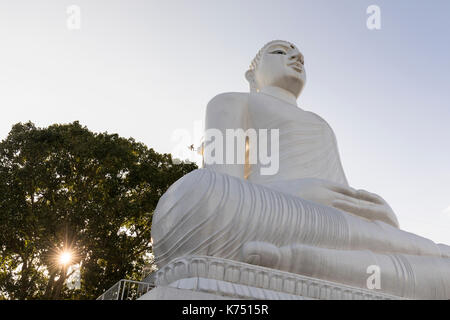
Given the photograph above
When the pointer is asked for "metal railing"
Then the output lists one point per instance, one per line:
(127, 290)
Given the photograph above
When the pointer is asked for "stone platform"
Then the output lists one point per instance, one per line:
(209, 278)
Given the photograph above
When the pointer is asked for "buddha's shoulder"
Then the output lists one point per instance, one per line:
(319, 119)
(314, 116)
(229, 98)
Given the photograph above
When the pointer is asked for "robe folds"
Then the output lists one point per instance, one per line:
(213, 214)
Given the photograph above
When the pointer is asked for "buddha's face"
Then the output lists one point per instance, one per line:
(281, 65)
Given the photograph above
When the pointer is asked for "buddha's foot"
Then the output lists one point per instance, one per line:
(398, 274)
(262, 254)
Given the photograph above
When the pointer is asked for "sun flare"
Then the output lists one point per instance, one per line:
(65, 257)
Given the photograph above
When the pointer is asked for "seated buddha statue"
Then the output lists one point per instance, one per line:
(304, 218)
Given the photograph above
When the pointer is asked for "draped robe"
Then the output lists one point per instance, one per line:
(211, 213)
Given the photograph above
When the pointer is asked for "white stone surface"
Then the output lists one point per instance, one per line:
(309, 162)
(213, 214)
(170, 293)
(305, 219)
(226, 279)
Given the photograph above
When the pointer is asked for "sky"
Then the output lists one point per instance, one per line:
(147, 69)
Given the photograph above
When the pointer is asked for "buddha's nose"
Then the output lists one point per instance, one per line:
(295, 55)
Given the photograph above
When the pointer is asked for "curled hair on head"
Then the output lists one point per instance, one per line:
(257, 58)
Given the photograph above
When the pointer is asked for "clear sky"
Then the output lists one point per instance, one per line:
(145, 69)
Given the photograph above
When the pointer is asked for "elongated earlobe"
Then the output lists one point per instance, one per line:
(250, 76)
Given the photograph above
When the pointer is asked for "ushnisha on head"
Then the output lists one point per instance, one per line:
(278, 64)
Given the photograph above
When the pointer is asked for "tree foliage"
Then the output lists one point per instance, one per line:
(64, 187)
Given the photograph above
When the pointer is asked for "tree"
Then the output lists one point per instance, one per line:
(66, 188)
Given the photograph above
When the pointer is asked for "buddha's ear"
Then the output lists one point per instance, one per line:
(250, 76)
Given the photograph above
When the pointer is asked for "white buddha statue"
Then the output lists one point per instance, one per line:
(309, 159)
(305, 218)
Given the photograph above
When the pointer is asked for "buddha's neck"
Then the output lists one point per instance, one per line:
(280, 93)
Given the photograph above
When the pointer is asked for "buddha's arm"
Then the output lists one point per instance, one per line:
(225, 111)
(356, 202)
(367, 205)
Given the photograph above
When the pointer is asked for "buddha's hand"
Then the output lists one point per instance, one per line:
(357, 202)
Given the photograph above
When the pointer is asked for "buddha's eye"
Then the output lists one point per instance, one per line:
(278, 52)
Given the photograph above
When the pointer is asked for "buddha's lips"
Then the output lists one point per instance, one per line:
(296, 66)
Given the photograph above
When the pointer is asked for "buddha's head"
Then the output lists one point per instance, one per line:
(278, 64)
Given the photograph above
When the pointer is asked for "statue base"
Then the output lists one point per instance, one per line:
(211, 278)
